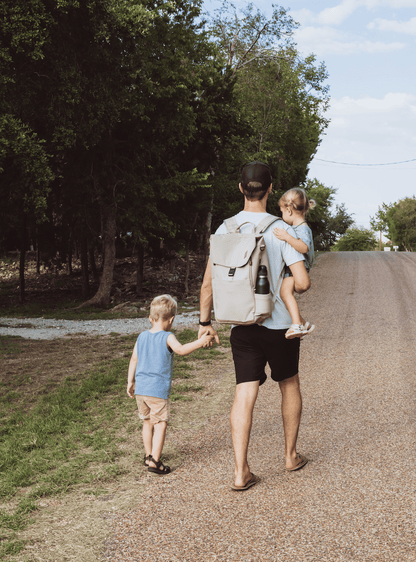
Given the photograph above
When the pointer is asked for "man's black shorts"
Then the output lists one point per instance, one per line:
(253, 346)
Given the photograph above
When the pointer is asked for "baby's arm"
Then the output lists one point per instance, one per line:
(296, 243)
(132, 372)
(204, 341)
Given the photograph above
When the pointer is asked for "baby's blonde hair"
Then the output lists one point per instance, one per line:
(163, 307)
(298, 200)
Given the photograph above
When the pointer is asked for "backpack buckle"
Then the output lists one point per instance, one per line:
(231, 272)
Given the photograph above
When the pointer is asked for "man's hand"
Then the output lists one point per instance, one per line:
(210, 331)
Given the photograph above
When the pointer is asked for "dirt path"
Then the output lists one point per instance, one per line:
(355, 500)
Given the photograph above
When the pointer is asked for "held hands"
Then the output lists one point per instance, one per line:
(281, 234)
(206, 340)
(208, 334)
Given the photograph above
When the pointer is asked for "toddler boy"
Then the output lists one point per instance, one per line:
(150, 376)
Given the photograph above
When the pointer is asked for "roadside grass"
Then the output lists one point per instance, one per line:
(67, 431)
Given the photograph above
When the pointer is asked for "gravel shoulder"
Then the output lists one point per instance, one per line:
(46, 329)
(355, 500)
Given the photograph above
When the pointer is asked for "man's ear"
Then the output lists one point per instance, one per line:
(270, 189)
(241, 189)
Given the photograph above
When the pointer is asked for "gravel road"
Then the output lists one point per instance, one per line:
(355, 500)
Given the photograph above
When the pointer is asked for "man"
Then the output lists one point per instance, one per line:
(253, 346)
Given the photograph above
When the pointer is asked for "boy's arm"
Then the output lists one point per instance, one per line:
(296, 243)
(132, 372)
(187, 348)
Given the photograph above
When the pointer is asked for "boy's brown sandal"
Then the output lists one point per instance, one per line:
(160, 468)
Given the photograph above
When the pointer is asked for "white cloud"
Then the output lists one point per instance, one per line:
(339, 13)
(326, 40)
(392, 25)
(371, 130)
(365, 131)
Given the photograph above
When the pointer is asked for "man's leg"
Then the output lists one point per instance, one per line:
(291, 414)
(241, 421)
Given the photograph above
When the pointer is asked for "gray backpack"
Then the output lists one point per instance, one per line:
(235, 258)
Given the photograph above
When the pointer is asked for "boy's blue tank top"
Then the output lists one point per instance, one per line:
(154, 365)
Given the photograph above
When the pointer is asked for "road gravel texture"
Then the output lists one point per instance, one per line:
(355, 500)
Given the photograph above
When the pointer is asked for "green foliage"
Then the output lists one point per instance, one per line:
(356, 240)
(280, 101)
(398, 221)
(379, 221)
(326, 224)
(401, 221)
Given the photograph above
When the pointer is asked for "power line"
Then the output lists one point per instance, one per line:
(351, 164)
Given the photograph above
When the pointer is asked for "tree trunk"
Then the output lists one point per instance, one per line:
(102, 296)
(22, 260)
(91, 255)
(140, 269)
(84, 267)
(187, 269)
(207, 234)
(37, 253)
(188, 244)
(69, 258)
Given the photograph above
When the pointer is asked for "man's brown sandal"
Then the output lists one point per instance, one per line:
(146, 459)
(160, 468)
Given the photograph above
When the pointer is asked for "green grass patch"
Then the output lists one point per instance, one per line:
(68, 432)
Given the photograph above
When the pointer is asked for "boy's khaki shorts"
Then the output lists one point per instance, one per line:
(154, 409)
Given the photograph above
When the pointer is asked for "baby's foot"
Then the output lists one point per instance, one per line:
(308, 328)
(295, 331)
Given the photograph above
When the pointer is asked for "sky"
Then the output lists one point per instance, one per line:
(369, 50)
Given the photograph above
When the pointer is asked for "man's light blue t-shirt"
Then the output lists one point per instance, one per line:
(279, 253)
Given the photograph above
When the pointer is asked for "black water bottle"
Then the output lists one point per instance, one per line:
(262, 284)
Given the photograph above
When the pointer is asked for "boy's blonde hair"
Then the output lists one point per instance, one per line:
(297, 199)
(163, 307)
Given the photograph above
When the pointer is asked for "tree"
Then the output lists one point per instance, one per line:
(24, 184)
(128, 98)
(281, 99)
(401, 220)
(327, 226)
(356, 240)
(379, 222)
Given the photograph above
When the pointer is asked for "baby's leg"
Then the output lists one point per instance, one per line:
(286, 294)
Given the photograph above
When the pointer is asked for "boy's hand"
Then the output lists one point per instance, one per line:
(207, 340)
(130, 389)
(281, 234)
(208, 330)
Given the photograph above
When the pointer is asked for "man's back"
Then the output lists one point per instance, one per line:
(279, 254)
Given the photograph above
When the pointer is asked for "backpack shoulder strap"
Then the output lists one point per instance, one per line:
(265, 223)
(231, 225)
